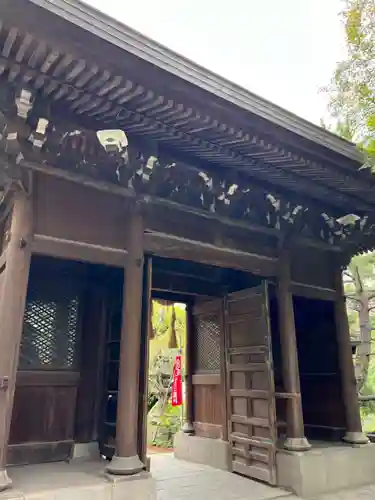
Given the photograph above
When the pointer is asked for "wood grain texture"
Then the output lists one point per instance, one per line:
(209, 406)
(50, 412)
(72, 212)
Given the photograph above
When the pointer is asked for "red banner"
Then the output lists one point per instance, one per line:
(177, 383)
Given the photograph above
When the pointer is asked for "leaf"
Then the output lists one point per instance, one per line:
(352, 88)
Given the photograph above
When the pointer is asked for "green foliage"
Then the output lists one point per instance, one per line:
(353, 85)
(163, 419)
(169, 423)
(368, 407)
(364, 267)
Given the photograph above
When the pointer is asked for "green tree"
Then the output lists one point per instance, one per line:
(167, 338)
(360, 292)
(352, 90)
(359, 280)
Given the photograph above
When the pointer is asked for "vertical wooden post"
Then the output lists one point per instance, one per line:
(354, 432)
(146, 325)
(126, 460)
(94, 324)
(12, 306)
(295, 437)
(188, 426)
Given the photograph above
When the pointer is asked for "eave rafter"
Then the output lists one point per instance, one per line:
(96, 95)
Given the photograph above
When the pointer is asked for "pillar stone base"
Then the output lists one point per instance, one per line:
(140, 486)
(188, 428)
(125, 466)
(297, 444)
(5, 481)
(86, 451)
(212, 452)
(355, 438)
(324, 470)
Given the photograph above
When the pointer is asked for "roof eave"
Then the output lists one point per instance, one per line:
(127, 39)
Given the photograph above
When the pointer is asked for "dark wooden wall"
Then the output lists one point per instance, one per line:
(42, 427)
(56, 404)
(313, 267)
(322, 402)
(69, 211)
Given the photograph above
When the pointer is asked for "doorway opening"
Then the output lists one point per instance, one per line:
(321, 388)
(179, 286)
(320, 379)
(167, 353)
(207, 291)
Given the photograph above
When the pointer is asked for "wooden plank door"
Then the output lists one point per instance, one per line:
(208, 369)
(250, 384)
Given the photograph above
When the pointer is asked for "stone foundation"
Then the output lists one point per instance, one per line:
(77, 480)
(212, 452)
(87, 451)
(138, 487)
(325, 468)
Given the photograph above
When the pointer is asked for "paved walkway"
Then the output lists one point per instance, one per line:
(175, 480)
(179, 480)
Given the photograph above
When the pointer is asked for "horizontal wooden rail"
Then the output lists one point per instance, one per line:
(206, 379)
(78, 250)
(287, 395)
(47, 378)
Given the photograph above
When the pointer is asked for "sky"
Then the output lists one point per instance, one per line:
(282, 50)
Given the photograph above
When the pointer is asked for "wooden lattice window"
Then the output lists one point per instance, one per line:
(207, 343)
(51, 327)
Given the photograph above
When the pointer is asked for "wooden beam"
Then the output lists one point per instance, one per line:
(163, 281)
(172, 296)
(32, 378)
(312, 291)
(175, 247)
(78, 250)
(203, 280)
(149, 201)
(206, 379)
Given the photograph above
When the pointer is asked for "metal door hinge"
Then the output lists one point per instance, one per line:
(4, 383)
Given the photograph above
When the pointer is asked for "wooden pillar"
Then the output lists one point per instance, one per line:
(354, 432)
(146, 325)
(295, 437)
(14, 278)
(126, 460)
(93, 342)
(188, 426)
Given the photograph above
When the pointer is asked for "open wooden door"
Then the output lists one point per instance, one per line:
(208, 369)
(250, 384)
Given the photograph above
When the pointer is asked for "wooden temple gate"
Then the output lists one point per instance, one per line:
(243, 385)
(101, 170)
